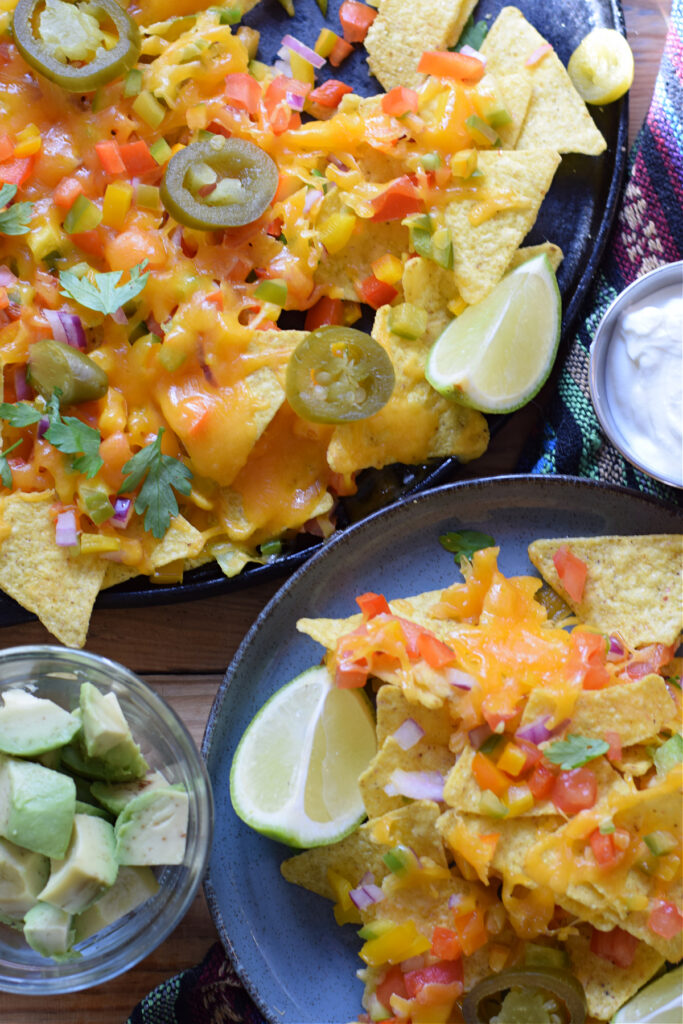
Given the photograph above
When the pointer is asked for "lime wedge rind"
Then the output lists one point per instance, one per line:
(498, 353)
(660, 1002)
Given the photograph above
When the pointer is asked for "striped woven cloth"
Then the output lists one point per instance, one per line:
(648, 232)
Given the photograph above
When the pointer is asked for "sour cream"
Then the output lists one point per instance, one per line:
(644, 381)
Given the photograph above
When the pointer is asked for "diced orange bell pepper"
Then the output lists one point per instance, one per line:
(572, 572)
(137, 157)
(330, 93)
(243, 91)
(67, 192)
(373, 604)
(399, 101)
(17, 171)
(355, 20)
(444, 64)
(109, 156)
(375, 293)
(488, 776)
(340, 51)
(326, 312)
(435, 652)
(400, 199)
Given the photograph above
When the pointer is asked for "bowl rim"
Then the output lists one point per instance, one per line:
(638, 289)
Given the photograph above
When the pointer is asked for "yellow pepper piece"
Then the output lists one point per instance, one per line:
(388, 269)
(519, 799)
(464, 163)
(336, 231)
(97, 543)
(302, 69)
(116, 204)
(345, 910)
(326, 42)
(457, 306)
(512, 760)
(398, 943)
(28, 141)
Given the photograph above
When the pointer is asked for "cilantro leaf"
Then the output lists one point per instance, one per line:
(158, 474)
(473, 34)
(5, 471)
(73, 437)
(575, 751)
(104, 294)
(464, 543)
(15, 219)
(19, 414)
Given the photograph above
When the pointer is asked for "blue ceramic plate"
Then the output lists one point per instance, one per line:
(297, 964)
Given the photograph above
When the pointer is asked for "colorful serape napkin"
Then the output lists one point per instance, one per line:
(647, 233)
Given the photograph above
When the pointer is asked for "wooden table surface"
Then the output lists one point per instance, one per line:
(184, 649)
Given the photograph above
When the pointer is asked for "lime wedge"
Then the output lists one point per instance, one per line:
(601, 67)
(661, 1002)
(295, 773)
(498, 353)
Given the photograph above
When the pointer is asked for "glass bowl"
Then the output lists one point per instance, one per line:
(57, 673)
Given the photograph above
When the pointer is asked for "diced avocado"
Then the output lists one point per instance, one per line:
(84, 807)
(48, 930)
(115, 796)
(88, 869)
(104, 724)
(122, 763)
(152, 828)
(23, 874)
(36, 806)
(31, 725)
(132, 887)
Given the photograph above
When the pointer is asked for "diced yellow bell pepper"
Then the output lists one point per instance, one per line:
(519, 799)
(388, 268)
(336, 231)
(97, 543)
(457, 306)
(464, 163)
(498, 956)
(302, 69)
(345, 910)
(326, 42)
(512, 760)
(28, 141)
(401, 942)
(116, 204)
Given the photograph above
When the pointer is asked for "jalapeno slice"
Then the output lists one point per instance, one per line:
(219, 183)
(104, 67)
(52, 365)
(484, 1001)
(337, 375)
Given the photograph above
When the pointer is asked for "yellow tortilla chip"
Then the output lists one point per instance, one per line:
(482, 251)
(527, 252)
(413, 825)
(328, 631)
(116, 573)
(423, 757)
(633, 586)
(514, 89)
(281, 342)
(402, 31)
(57, 587)
(393, 709)
(557, 117)
(431, 287)
(181, 540)
(427, 906)
(607, 986)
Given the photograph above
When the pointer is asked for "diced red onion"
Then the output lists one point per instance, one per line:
(66, 327)
(123, 510)
(537, 732)
(479, 735)
(408, 734)
(7, 278)
(65, 530)
(538, 54)
(43, 425)
(119, 317)
(312, 197)
(462, 680)
(21, 388)
(416, 785)
(338, 163)
(294, 44)
(616, 649)
(469, 51)
(365, 895)
(283, 67)
(295, 101)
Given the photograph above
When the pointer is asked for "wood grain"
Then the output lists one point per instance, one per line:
(183, 649)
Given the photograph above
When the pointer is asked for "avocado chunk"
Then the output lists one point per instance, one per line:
(85, 807)
(152, 828)
(32, 725)
(48, 930)
(122, 763)
(23, 874)
(104, 724)
(114, 796)
(132, 887)
(36, 806)
(89, 868)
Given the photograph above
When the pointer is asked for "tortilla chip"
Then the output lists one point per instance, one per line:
(634, 761)
(557, 117)
(633, 586)
(527, 252)
(181, 540)
(637, 710)
(281, 342)
(328, 631)
(393, 709)
(40, 575)
(482, 252)
(423, 757)
(413, 825)
(402, 31)
(116, 573)
(607, 986)
(427, 906)
(431, 287)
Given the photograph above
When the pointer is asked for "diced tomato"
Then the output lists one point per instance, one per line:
(109, 155)
(588, 658)
(16, 172)
(6, 147)
(216, 299)
(665, 919)
(274, 229)
(649, 659)
(351, 675)
(444, 64)
(392, 984)
(446, 944)
(137, 157)
(326, 312)
(330, 93)
(279, 112)
(617, 946)
(399, 101)
(340, 51)
(572, 572)
(489, 776)
(67, 192)
(614, 740)
(375, 293)
(436, 653)
(4, 298)
(603, 848)
(435, 983)
(355, 20)
(90, 241)
(541, 782)
(471, 931)
(243, 91)
(397, 201)
(531, 752)
(574, 791)
(373, 604)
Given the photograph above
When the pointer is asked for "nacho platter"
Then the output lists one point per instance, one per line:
(591, 206)
(395, 552)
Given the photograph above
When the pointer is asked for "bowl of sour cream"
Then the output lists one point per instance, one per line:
(636, 373)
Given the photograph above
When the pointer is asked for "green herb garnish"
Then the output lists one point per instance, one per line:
(464, 543)
(575, 751)
(103, 293)
(15, 219)
(160, 473)
(73, 437)
(473, 34)
(5, 471)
